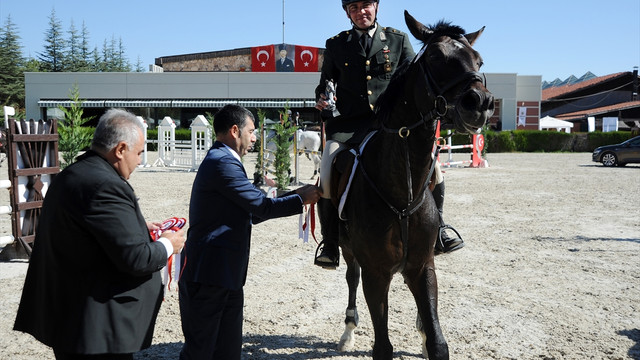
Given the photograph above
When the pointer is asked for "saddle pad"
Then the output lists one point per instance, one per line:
(356, 153)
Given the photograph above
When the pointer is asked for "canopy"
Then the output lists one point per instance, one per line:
(549, 122)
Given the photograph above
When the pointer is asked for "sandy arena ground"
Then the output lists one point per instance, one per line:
(550, 270)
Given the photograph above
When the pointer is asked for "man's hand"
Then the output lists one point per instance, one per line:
(323, 102)
(310, 194)
(153, 225)
(176, 238)
(269, 182)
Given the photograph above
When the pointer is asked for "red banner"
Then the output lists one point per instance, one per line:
(262, 59)
(306, 59)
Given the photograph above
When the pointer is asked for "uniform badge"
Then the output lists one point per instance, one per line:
(383, 37)
(387, 67)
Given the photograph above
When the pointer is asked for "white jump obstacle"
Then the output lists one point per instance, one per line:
(476, 152)
(5, 210)
(183, 153)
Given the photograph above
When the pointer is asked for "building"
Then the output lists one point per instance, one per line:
(587, 103)
(184, 86)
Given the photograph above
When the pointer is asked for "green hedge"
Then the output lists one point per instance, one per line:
(495, 141)
(607, 138)
(152, 134)
(548, 141)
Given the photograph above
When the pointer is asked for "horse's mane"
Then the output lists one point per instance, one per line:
(383, 104)
(445, 28)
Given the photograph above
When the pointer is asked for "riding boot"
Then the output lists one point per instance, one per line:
(444, 243)
(328, 248)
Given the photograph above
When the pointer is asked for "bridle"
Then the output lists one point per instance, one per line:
(439, 110)
(440, 104)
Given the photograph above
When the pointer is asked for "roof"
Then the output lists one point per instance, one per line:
(559, 91)
(579, 115)
(549, 122)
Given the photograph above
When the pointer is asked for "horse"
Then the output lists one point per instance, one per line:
(309, 142)
(389, 222)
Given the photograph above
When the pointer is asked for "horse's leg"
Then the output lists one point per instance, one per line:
(347, 340)
(375, 285)
(316, 164)
(424, 287)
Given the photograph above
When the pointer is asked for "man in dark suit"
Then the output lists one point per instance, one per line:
(360, 62)
(284, 64)
(93, 287)
(224, 205)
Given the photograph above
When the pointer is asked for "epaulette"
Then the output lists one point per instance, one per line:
(342, 34)
(390, 30)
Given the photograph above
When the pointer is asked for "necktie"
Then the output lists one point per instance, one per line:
(364, 41)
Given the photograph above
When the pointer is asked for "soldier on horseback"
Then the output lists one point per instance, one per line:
(360, 61)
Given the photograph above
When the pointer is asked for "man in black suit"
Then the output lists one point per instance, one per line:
(224, 205)
(284, 64)
(93, 287)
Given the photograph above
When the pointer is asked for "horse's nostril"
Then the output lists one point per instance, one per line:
(471, 100)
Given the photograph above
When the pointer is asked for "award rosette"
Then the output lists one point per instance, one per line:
(171, 224)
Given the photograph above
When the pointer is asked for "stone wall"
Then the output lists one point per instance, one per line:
(232, 61)
(227, 63)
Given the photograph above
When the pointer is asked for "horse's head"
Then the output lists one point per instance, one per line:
(448, 71)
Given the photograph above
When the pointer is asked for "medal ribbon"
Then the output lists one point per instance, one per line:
(171, 224)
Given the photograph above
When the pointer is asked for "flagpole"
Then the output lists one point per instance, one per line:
(283, 21)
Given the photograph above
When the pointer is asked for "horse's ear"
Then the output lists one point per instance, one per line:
(471, 38)
(417, 29)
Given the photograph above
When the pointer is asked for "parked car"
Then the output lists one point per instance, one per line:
(618, 154)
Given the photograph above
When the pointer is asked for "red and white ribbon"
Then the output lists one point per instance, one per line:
(171, 224)
(308, 225)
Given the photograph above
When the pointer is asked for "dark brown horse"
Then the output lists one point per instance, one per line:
(390, 220)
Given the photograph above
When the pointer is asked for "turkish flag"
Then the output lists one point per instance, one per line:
(262, 59)
(306, 59)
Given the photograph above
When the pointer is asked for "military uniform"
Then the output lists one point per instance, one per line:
(360, 78)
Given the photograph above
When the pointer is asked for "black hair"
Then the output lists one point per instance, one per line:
(231, 115)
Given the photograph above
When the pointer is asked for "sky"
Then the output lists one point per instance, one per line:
(552, 39)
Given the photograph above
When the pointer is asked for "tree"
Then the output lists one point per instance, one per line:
(73, 58)
(54, 50)
(11, 66)
(96, 64)
(284, 133)
(139, 67)
(258, 172)
(72, 137)
(85, 53)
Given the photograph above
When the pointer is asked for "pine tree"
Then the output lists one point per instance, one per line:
(96, 63)
(72, 137)
(11, 66)
(74, 54)
(107, 56)
(85, 53)
(139, 67)
(121, 59)
(54, 50)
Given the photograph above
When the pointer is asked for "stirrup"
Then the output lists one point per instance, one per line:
(440, 248)
(325, 265)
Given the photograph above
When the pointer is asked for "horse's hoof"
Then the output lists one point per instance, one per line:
(347, 340)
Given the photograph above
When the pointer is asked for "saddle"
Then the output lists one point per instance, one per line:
(342, 169)
(340, 173)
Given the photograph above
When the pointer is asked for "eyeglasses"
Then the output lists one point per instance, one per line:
(354, 8)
